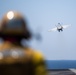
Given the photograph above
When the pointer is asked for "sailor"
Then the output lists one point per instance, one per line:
(16, 59)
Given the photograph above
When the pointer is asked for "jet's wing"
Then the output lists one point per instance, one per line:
(54, 29)
(66, 26)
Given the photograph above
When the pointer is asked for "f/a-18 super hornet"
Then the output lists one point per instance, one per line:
(59, 27)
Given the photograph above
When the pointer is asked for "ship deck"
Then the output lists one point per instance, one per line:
(62, 72)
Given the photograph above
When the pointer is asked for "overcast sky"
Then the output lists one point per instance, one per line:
(43, 15)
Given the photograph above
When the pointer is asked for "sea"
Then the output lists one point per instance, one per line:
(61, 64)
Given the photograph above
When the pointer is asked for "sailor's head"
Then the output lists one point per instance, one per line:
(14, 27)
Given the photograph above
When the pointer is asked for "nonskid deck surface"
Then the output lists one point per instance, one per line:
(62, 72)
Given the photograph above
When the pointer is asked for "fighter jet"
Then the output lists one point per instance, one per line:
(59, 27)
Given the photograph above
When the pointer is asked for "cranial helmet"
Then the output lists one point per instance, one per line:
(14, 25)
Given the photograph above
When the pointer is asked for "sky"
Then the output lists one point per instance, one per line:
(43, 15)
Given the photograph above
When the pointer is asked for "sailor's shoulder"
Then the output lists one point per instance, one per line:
(5, 45)
(36, 53)
(37, 56)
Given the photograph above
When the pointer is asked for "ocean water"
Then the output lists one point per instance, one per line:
(61, 64)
